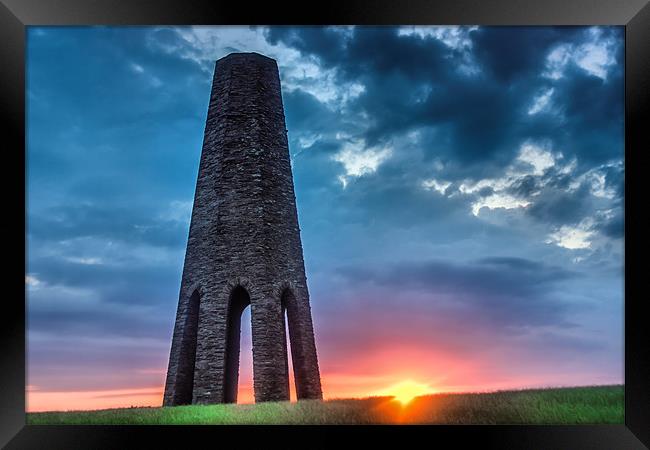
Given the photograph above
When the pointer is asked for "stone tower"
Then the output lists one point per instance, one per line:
(243, 249)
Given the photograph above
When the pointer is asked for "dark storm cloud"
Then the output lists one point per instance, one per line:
(128, 282)
(480, 119)
(523, 187)
(615, 179)
(560, 198)
(593, 109)
(557, 206)
(509, 55)
(99, 323)
(613, 227)
(316, 172)
(380, 51)
(483, 117)
(108, 222)
(305, 112)
(514, 263)
(410, 205)
(510, 291)
(496, 275)
(327, 43)
(474, 114)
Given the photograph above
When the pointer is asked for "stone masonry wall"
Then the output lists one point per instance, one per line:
(244, 233)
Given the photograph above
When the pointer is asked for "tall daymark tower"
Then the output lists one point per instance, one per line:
(243, 249)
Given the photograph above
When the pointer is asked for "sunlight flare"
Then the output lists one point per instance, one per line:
(407, 390)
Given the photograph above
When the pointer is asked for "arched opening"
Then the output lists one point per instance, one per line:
(239, 300)
(287, 301)
(245, 391)
(187, 355)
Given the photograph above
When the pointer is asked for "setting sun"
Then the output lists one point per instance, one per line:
(407, 390)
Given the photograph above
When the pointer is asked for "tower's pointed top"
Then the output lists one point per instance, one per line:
(246, 55)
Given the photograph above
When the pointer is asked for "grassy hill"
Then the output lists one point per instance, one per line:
(578, 405)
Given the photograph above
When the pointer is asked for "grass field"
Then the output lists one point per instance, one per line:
(582, 405)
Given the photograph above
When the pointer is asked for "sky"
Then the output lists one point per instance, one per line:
(459, 193)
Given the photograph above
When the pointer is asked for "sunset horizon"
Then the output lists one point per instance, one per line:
(152, 397)
(461, 212)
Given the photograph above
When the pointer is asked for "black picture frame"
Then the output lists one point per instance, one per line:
(15, 15)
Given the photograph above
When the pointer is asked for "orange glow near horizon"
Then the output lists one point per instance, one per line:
(402, 372)
(407, 390)
(335, 387)
(40, 401)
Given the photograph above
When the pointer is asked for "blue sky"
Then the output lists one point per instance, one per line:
(459, 191)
